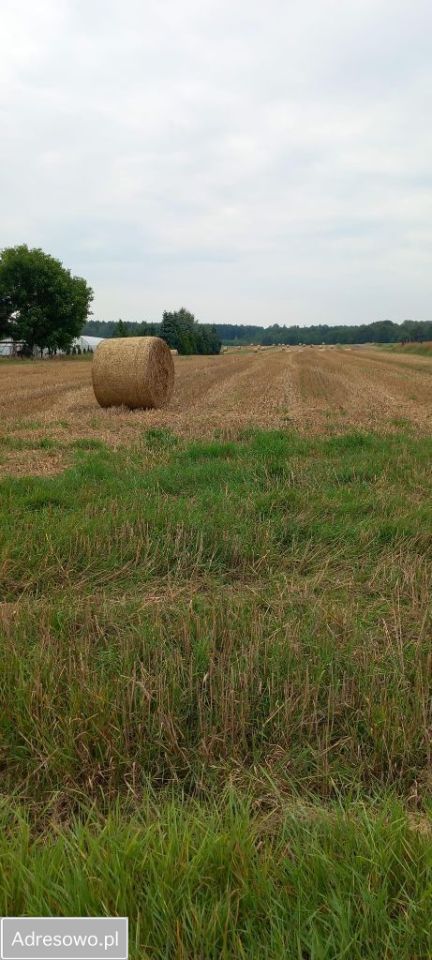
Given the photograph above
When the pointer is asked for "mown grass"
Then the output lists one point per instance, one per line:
(108, 696)
(248, 620)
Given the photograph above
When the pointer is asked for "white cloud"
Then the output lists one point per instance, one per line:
(257, 162)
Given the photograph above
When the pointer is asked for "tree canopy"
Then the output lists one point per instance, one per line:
(183, 333)
(41, 304)
(179, 328)
(121, 329)
(382, 331)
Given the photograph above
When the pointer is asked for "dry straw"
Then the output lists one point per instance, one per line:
(133, 372)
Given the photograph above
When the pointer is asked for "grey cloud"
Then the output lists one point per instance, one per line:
(258, 162)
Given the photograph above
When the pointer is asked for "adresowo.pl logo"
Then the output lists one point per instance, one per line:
(64, 938)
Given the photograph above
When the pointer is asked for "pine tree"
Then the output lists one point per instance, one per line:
(121, 329)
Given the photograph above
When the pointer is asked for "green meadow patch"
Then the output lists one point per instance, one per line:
(215, 679)
(223, 881)
(222, 510)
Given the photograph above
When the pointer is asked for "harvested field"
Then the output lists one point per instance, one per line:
(216, 655)
(314, 390)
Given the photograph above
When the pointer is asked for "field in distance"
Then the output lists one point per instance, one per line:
(314, 390)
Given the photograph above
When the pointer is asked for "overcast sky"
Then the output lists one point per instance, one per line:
(256, 162)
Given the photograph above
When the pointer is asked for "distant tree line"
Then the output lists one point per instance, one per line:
(382, 331)
(179, 328)
(120, 328)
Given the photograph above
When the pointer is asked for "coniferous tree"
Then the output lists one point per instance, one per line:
(121, 329)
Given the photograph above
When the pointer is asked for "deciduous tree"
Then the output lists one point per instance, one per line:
(41, 303)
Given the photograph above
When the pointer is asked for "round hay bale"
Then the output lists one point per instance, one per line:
(133, 372)
(174, 352)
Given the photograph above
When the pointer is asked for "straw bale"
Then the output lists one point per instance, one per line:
(133, 372)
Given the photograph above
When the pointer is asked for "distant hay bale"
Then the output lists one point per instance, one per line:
(174, 352)
(133, 372)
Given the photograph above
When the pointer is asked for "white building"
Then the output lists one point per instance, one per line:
(82, 344)
(86, 344)
(9, 349)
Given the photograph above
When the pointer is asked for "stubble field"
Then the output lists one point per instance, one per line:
(215, 656)
(312, 390)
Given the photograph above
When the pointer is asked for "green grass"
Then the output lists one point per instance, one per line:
(423, 349)
(250, 620)
(8, 442)
(222, 882)
(22, 443)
